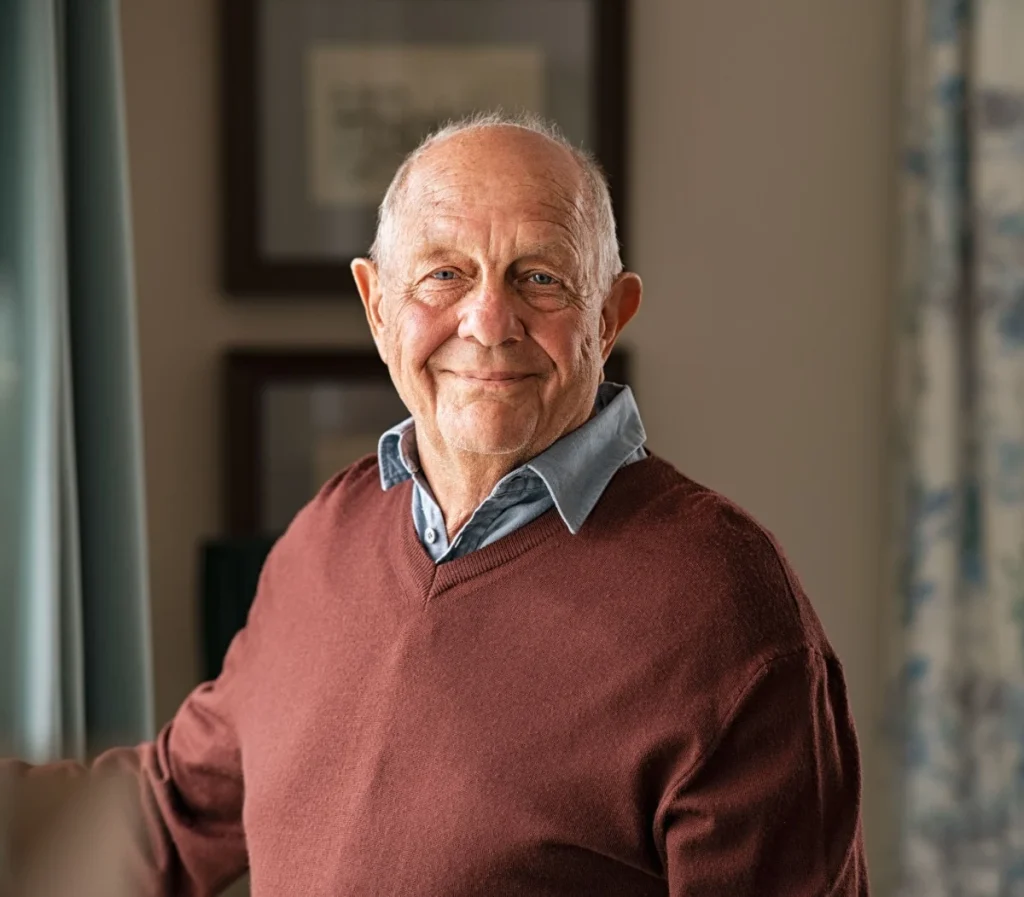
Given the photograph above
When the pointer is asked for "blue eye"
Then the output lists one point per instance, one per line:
(444, 274)
(542, 279)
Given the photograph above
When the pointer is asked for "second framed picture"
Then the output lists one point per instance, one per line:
(321, 100)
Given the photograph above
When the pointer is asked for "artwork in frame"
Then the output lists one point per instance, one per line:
(296, 417)
(321, 99)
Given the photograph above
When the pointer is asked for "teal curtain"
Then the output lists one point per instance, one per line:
(75, 670)
(958, 683)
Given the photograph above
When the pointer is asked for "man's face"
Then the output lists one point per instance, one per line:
(487, 313)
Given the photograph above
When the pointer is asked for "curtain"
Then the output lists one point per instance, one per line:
(957, 690)
(75, 673)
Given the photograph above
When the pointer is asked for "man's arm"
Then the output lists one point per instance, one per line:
(186, 795)
(773, 806)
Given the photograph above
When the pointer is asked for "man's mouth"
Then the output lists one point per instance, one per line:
(493, 378)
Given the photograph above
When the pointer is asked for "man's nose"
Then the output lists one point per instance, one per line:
(491, 315)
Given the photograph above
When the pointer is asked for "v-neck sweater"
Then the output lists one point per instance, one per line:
(648, 707)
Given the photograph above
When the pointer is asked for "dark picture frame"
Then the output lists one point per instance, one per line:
(250, 374)
(248, 268)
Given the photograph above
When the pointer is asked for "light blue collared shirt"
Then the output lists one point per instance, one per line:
(571, 474)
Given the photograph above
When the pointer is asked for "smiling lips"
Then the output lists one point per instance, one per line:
(492, 378)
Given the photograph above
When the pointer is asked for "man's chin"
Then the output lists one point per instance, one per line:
(486, 438)
(487, 427)
(483, 444)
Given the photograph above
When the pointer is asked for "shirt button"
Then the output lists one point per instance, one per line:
(430, 536)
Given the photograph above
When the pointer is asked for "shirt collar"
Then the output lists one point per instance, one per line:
(576, 469)
(396, 454)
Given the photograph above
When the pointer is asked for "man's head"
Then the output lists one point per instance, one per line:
(494, 290)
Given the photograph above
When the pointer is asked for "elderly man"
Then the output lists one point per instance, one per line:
(514, 653)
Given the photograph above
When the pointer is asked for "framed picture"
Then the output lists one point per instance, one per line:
(296, 417)
(321, 100)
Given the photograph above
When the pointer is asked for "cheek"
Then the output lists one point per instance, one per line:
(417, 332)
(570, 345)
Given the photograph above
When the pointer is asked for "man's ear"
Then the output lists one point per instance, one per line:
(620, 305)
(367, 279)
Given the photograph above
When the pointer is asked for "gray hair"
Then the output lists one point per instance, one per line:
(596, 197)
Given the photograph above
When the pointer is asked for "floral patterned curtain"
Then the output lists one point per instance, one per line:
(959, 406)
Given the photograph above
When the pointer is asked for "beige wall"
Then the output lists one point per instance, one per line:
(761, 154)
(763, 148)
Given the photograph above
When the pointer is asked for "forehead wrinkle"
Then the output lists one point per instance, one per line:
(573, 213)
(561, 185)
(496, 197)
(571, 237)
(556, 214)
(449, 225)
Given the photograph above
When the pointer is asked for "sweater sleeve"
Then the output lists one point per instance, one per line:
(184, 797)
(772, 807)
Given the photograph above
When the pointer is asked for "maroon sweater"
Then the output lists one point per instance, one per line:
(649, 707)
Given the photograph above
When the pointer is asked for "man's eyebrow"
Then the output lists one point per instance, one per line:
(434, 251)
(545, 248)
(561, 252)
(437, 252)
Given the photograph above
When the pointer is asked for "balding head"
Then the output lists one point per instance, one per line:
(508, 142)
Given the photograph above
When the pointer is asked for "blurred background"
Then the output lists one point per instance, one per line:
(811, 230)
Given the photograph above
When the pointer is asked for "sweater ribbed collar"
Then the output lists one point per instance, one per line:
(424, 578)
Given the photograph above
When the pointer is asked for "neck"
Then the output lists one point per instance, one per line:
(461, 481)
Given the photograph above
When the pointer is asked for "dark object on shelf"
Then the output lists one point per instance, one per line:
(320, 102)
(229, 573)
